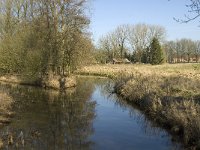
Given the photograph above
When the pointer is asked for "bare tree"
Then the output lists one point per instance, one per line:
(105, 45)
(114, 43)
(197, 50)
(170, 49)
(188, 48)
(121, 35)
(141, 35)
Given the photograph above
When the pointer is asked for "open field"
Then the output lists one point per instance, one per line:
(169, 94)
(191, 70)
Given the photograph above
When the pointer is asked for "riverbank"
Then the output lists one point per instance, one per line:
(52, 82)
(5, 108)
(6, 113)
(168, 94)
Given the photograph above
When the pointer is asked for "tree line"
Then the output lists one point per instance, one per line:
(39, 37)
(183, 50)
(145, 43)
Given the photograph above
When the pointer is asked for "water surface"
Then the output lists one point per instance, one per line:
(85, 117)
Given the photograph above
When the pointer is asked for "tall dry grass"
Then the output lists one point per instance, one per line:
(173, 102)
(5, 108)
(190, 70)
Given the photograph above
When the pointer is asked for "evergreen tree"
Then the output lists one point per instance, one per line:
(156, 53)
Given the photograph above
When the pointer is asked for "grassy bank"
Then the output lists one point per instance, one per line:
(5, 108)
(6, 113)
(168, 94)
(52, 82)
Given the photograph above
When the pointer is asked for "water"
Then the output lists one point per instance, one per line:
(86, 117)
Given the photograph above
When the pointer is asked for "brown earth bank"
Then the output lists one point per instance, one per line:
(168, 94)
(53, 82)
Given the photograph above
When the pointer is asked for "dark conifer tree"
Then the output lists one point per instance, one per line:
(156, 53)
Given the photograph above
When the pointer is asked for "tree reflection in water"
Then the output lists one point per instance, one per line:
(47, 119)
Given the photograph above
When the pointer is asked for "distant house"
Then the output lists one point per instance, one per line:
(126, 61)
(121, 61)
(117, 61)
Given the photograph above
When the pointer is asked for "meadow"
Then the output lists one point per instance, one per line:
(189, 70)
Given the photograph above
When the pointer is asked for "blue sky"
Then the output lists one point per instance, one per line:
(108, 14)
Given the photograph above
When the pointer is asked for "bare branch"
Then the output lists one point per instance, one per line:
(193, 10)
